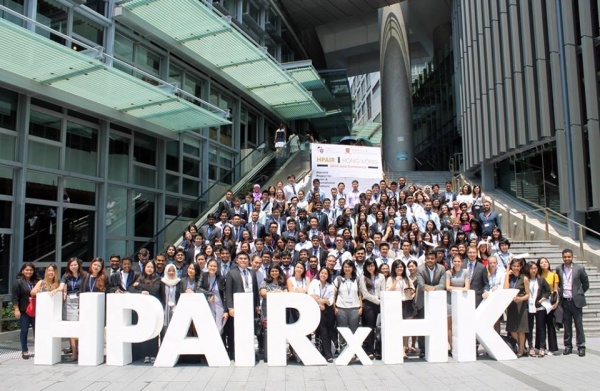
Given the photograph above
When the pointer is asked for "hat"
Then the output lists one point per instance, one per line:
(482, 243)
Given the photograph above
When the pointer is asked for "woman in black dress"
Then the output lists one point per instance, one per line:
(26, 280)
(516, 314)
(147, 284)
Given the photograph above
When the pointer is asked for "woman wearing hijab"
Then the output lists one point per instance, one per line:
(169, 292)
(256, 193)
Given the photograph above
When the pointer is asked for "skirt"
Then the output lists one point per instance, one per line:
(71, 308)
(279, 144)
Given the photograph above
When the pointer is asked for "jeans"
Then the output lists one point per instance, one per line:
(26, 320)
(572, 314)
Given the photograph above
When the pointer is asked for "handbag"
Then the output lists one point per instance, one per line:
(554, 298)
(30, 310)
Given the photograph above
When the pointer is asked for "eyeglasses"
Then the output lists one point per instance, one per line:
(339, 240)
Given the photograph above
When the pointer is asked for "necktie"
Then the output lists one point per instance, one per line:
(319, 216)
(287, 271)
(410, 206)
(237, 234)
(315, 252)
(254, 230)
(384, 260)
(225, 269)
(470, 269)
(294, 189)
(246, 283)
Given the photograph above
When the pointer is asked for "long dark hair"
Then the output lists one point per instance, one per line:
(100, 278)
(148, 280)
(352, 265)
(198, 273)
(34, 277)
(368, 276)
(397, 263)
(80, 271)
(280, 280)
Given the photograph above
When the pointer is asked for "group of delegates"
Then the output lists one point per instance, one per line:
(342, 249)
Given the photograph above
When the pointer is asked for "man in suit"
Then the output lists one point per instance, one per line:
(321, 217)
(448, 195)
(115, 265)
(478, 275)
(226, 204)
(431, 276)
(574, 283)
(121, 281)
(238, 210)
(256, 229)
(209, 231)
(239, 280)
(317, 251)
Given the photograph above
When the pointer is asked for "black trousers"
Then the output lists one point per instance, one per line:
(369, 319)
(550, 332)
(227, 337)
(421, 339)
(539, 319)
(327, 331)
(572, 314)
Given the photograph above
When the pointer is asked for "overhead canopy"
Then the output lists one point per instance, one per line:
(213, 39)
(86, 76)
(370, 131)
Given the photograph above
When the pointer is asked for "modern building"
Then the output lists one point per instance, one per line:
(117, 116)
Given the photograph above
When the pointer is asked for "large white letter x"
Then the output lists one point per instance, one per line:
(354, 346)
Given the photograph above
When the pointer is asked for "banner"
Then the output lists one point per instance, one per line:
(332, 163)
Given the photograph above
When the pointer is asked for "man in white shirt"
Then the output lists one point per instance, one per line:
(406, 256)
(426, 215)
(353, 195)
(340, 253)
(383, 259)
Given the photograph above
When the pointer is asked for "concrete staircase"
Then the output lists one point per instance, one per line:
(422, 178)
(543, 248)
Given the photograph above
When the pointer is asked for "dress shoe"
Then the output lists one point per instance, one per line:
(581, 352)
(422, 354)
(568, 351)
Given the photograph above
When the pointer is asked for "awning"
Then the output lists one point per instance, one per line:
(370, 131)
(85, 75)
(198, 30)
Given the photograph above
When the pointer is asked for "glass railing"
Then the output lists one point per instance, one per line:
(256, 166)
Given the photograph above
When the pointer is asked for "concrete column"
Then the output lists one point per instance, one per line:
(396, 106)
(488, 182)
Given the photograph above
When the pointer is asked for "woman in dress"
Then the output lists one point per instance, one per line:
(322, 291)
(539, 292)
(280, 137)
(274, 283)
(399, 281)
(552, 280)
(371, 285)
(169, 294)
(302, 202)
(478, 198)
(348, 304)
(147, 284)
(466, 196)
(294, 142)
(516, 314)
(71, 284)
(214, 283)
(27, 279)
(457, 279)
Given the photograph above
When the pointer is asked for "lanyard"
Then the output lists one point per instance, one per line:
(92, 283)
(29, 285)
(322, 292)
(348, 287)
(74, 282)
(212, 284)
(513, 283)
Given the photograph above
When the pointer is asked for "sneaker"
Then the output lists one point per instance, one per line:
(152, 359)
(146, 360)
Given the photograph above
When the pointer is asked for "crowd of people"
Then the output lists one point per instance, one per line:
(343, 249)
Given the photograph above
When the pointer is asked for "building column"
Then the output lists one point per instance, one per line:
(488, 183)
(396, 106)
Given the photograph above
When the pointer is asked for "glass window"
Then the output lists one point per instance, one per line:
(43, 155)
(44, 125)
(87, 29)
(117, 247)
(212, 154)
(212, 172)
(191, 167)
(191, 209)
(175, 74)
(82, 146)
(43, 186)
(78, 191)
(193, 86)
(78, 234)
(7, 146)
(144, 220)
(54, 15)
(116, 212)
(144, 149)
(148, 61)
(171, 206)
(123, 48)
(6, 180)
(5, 214)
(8, 109)
(172, 183)
(173, 156)
(226, 159)
(191, 146)
(144, 176)
(39, 242)
(118, 159)
(191, 187)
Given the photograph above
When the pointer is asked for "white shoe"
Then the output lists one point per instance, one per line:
(146, 360)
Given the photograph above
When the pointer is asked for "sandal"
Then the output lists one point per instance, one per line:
(541, 353)
(25, 355)
(532, 353)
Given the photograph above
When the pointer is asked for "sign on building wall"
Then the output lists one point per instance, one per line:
(333, 163)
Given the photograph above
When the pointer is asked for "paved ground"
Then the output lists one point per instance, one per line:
(549, 373)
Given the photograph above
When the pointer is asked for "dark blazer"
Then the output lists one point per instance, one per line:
(215, 233)
(21, 294)
(205, 286)
(114, 282)
(152, 289)
(242, 213)
(423, 279)
(321, 254)
(543, 292)
(479, 280)
(85, 284)
(234, 283)
(161, 293)
(581, 284)
(260, 230)
(323, 222)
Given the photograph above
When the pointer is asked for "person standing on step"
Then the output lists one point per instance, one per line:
(574, 283)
